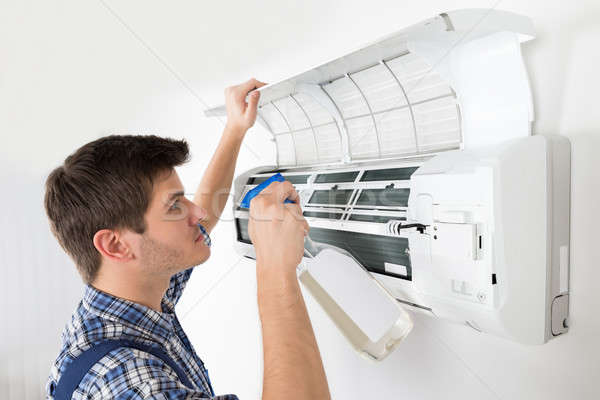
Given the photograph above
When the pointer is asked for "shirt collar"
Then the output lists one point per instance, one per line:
(159, 325)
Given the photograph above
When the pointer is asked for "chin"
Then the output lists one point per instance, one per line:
(196, 255)
(203, 256)
(197, 260)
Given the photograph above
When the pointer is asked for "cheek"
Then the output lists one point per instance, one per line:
(175, 233)
(181, 229)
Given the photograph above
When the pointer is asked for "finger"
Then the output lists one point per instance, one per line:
(272, 189)
(249, 85)
(298, 209)
(278, 192)
(252, 105)
(286, 191)
(260, 84)
(297, 215)
(306, 227)
(298, 224)
(295, 210)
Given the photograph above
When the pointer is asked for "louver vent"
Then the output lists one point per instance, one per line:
(374, 218)
(389, 174)
(326, 215)
(330, 197)
(294, 179)
(383, 198)
(338, 177)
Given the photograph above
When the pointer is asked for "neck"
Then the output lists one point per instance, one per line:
(145, 290)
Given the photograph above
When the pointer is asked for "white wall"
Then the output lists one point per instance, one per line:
(71, 71)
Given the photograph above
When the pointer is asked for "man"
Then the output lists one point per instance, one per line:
(117, 208)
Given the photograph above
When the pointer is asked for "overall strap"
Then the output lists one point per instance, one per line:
(79, 367)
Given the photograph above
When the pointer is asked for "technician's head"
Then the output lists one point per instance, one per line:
(117, 206)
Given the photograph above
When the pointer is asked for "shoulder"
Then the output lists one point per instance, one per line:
(127, 370)
(126, 373)
(132, 374)
(84, 330)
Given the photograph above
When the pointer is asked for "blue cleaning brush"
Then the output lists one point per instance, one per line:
(254, 192)
(207, 240)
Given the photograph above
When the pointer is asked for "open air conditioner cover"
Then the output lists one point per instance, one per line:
(455, 80)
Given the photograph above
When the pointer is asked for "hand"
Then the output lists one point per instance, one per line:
(276, 229)
(241, 115)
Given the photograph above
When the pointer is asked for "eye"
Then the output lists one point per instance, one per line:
(175, 206)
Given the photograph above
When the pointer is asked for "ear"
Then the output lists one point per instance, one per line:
(112, 245)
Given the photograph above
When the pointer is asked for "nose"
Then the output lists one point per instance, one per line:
(197, 213)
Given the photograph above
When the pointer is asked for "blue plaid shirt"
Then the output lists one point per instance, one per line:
(127, 373)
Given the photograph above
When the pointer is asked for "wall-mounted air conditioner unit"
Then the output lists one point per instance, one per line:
(431, 126)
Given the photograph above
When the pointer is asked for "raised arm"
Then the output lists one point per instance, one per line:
(293, 369)
(213, 191)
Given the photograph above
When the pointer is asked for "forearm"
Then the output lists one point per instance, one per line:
(292, 363)
(213, 191)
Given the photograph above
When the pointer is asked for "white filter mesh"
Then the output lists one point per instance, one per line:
(363, 138)
(396, 132)
(420, 82)
(285, 149)
(408, 66)
(438, 125)
(347, 97)
(380, 88)
(317, 114)
(273, 118)
(386, 90)
(293, 113)
(306, 150)
(328, 143)
(426, 87)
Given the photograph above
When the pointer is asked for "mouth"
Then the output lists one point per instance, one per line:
(203, 235)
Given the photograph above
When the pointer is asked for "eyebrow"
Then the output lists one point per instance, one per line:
(173, 196)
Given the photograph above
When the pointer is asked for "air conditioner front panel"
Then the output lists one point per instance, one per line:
(476, 262)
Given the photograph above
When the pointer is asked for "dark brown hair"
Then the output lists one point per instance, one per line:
(106, 184)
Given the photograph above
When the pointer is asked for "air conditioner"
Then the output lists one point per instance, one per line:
(414, 154)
